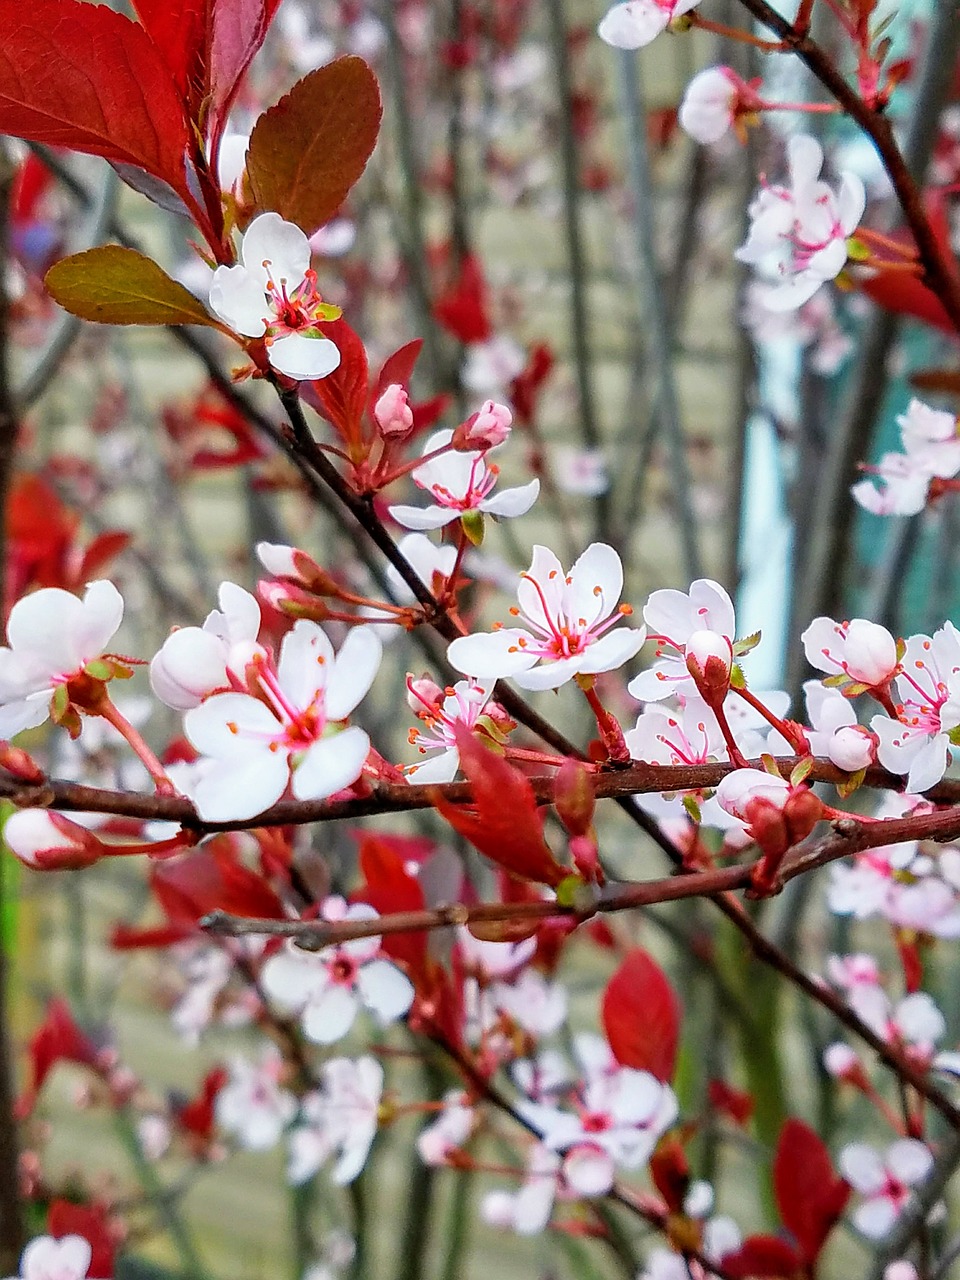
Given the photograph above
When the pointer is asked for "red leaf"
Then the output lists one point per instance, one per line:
(57, 1039)
(239, 28)
(341, 397)
(397, 368)
(734, 1103)
(810, 1194)
(503, 822)
(91, 1222)
(126, 938)
(178, 28)
(462, 309)
(84, 77)
(389, 888)
(211, 878)
(196, 1117)
(641, 1016)
(762, 1258)
(104, 548)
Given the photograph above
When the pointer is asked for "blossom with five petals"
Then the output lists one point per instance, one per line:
(931, 451)
(567, 619)
(52, 637)
(461, 482)
(798, 233)
(251, 1106)
(342, 1118)
(858, 652)
(439, 712)
(290, 730)
(885, 1182)
(272, 294)
(691, 621)
(327, 987)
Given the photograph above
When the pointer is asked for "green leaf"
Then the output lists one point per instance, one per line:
(471, 522)
(306, 152)
(114, 285)
(741, 647)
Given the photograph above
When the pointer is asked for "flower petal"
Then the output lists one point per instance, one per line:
(354, 671)
(238, 298)
(269, 239)
(238, 789)
(299, 356)
(385, 990)
(331, 764)
(512, 502)
(330, 1016)
(423, 517)
(491, 654)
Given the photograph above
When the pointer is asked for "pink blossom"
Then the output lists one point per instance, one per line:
(738, 789)
(906, 485)
(885, 1182)
(714, 99)
(461, 482)
(918, 742)
(341, 1119)
(440, 712)
(488, 428)
(798, 233)
(272, 294)
(931, 450)
(914, 1021)
(536, 1006)
(705, 616)
(291, 731)
(327, 988)
(567, 618)
(449, 1132)
(251, 1106)
(834, 731)
(635, 23)
(52, 635)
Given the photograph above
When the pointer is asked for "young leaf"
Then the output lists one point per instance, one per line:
(811, 1196)
(113, 285)
(236, 30)
(503, 822)
(641, 1016)
(341, 397)
(179, 28)
(307, 151)
(389, 887)
(84, 77)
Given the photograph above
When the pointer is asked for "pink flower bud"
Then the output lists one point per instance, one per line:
(422, 694)
(485, 429)
(840, 1061)
(852, 748)
(48, 841)
(573, 797)
(709, 658)
(392, 412)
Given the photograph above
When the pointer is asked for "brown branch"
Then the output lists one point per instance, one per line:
(638, 779)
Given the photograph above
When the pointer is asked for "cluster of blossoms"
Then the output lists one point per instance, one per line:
(909, 480)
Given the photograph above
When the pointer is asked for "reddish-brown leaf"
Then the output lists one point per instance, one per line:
(390, 888)
(503, 822)
(342, 395)
(92, 1221)
(307, 151)
(641, 1016)
(84, 77)
(762, 1258)
(211, 878)
(811, 1196)
(397, 368)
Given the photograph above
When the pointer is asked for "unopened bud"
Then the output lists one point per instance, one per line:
(423, 694)
(485, 429)
(870, 652)
(573, 797)
(48, 841)
(392, 412)
(586, 858)
(852, 748)
(290, 562)
(20, 763)
(709, 659)
(291, 600)
(841, 1062)
(802, 812)
(768, 827)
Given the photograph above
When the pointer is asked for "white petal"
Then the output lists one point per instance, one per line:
(909, 1160)
(299, 356)
(632, 25)
(512, 502)
(596, 584)
(862, 1167)
(291, 979)
(237, 297)
(330, 1016)
(549, 675)
(354, 671)
(331, 764)
(385, 990)
(613, 649)
(269, 239)
(441, 767)
(542, 588)
(491, 654)
(190, 665)
(306, 662)
(238, 789)
(423, 517)
(229, 725)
